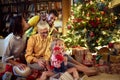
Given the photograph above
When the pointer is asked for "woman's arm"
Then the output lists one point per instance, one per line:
(8, 47)
(34, 20)
(32, 23)
(13, 62)
(73, 60)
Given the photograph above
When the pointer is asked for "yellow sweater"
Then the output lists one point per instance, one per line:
(33, 24)
(38, 48)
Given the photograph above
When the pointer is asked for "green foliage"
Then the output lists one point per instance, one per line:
(91, 24)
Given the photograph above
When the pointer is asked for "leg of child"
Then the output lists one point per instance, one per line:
(74, 72)
(46, 74)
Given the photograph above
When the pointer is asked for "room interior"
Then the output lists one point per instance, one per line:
(30, 8)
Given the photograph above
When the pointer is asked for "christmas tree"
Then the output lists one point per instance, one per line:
(91, 24)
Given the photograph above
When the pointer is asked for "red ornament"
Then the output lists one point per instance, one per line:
(69, 27)
(92, 34)
(77, 20)
(110, 45)
(102, 12)
(94, 23)
(98, 19)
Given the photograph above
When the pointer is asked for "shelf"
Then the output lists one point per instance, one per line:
(9, 8)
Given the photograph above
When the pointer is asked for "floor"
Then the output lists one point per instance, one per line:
(100, 76)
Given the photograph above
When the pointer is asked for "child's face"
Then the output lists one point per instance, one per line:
(60, 44)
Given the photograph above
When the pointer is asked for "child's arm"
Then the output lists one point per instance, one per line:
(65, 60)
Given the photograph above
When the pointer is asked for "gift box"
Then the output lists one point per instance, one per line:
(88, 59)
(62, 76)
(115, 58)
(102, 67)
(79, 53)
(115, 68)
(56, 76)
(104, 52)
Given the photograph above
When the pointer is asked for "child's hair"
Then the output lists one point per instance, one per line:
(54, 43)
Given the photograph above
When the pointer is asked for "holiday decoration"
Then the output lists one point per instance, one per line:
(91, 24)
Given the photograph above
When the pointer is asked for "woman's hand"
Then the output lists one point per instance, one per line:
(21, 66)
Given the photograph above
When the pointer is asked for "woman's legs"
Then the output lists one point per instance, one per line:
(82, 68)
(86, 70)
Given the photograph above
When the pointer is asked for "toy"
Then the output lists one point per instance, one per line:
(57, 60)
(19, 72)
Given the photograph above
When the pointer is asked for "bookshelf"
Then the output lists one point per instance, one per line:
(10, 8)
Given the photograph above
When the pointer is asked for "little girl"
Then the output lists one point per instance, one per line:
(58, 61)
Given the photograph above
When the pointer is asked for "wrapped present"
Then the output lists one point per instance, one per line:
(104, 52)
(115, 68)
(66, 76)
(79, 53)
(62, 76)
(114, 58)
(56, 76)
(88, 59)
(102, 67)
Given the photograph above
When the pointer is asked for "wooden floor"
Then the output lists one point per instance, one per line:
(102, 76)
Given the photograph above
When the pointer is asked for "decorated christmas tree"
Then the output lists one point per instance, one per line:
(91, 24)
